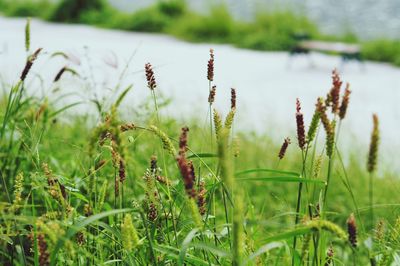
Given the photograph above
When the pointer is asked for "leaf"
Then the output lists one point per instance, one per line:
(63, 109)
(7, 239)
(172, 253)
(122, 96)
(264, 249)
(281, 179)
(79, 196)
(185, 245)
(213, 249)
(203, 155)
(260, 170)
(290, 234)
(62, 54)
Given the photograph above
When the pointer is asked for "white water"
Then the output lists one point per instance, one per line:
(267, 87)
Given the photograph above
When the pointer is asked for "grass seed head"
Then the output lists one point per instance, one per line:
(29, 64)
(373, 148)
(345, 102)
(167, 144)
(233, 98)
(284, 147)
(334, 93)
(28, 34)
(44, 256)
(151, 80)
(301, 137)
(201, 197)
(330, 140)
(312, 130)
(229, 119)
(130, 238)
(329, 256)
(127, 127)
(186, 167)
(217, 123)
(59, 74)
(211, 96)
(352, 230)
(121, 171)
(210, 66)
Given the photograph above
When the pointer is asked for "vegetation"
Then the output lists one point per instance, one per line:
(274, 31)
(101, 189)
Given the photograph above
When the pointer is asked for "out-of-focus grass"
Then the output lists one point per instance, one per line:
(269, 31)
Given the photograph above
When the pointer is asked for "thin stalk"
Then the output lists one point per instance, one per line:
(227, 218)
(299, 193)
(360, 221)
(211, 119)
(371, 198)
(328, 179)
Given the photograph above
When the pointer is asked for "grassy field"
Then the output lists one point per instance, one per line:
(99, 189)
(269, 31)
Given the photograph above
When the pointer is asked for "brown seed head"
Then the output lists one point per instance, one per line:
(59, 74)
(153, 164)
(151, 81)
(80, 238)
(44, 256)
(29, 64)
(121, 171)
(210, 66)
(126, 127)
(183, 141)
(329, 256)
(345, 102)
(283, 149)
(335, 91)
(301, 135)
(352, 230)
(201, 198)
(373, 148)
(186, 168)
(233, 98)
(211, 96)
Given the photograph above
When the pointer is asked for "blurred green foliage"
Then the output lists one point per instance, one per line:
(382, 50)
(71, 10)
(26, 8)
(269, 31)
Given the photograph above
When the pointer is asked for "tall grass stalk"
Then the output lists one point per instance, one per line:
(228, 178)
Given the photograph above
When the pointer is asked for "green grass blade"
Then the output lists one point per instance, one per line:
(284, 179)
(267, 170)
(203, 155)
(63, 109)
(185, 245)
(289, 234)
(213, 249)
(122, 96)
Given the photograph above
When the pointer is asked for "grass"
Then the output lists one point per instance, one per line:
(269, 31)
(87, 189)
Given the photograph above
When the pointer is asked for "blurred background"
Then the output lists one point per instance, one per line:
(271, 51)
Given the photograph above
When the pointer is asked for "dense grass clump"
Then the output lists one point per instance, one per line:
(101, 189)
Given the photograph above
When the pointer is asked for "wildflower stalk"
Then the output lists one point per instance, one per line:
(372, 161)
(303, 145)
